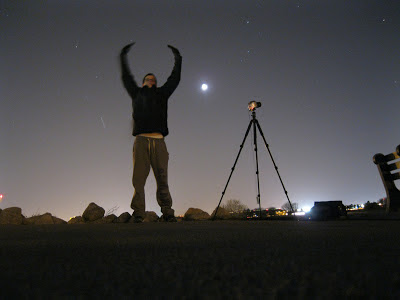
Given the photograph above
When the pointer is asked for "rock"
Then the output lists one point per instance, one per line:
(132, 219)
(150, 216)
(123, 218)
(222, 214)
(105, 220)
(30, 220)
(76, 220)
(46, 218)
(58, 220)
(11, 215)
(193, 214)
(93, 212)
(110, 218)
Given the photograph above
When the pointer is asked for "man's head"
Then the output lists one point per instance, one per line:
(149, 80)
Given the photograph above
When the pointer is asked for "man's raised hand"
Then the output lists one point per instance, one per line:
(174, 50)
(126, 49)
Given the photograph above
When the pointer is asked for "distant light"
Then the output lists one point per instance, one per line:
(1, 197)
(299, 213)
(306, 209)
(204, 87)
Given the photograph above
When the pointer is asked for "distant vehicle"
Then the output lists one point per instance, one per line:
(325, 210)
(255, 213)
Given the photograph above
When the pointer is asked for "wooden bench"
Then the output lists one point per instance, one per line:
(389, 168)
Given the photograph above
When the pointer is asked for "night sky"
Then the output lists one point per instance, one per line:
(327, 74)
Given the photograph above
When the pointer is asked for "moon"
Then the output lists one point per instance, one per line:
(204, 87)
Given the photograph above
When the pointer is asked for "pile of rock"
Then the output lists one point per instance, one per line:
(196, 214)
(13, 215)
(94, 214)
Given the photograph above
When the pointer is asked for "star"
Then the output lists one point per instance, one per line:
(4, 12)
(245, 20)
(204, 87)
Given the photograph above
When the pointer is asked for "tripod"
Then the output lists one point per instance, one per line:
(255, 124)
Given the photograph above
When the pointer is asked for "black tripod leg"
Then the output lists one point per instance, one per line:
(273, 161)
(233, 168)
(257, 172)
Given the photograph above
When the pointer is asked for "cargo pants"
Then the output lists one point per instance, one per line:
(152, 152)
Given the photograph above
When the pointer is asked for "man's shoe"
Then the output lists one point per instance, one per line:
(169, 218)
(138, 220)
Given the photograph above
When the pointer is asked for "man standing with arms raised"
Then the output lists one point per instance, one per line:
(150, 113)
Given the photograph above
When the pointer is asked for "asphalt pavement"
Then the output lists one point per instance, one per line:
(202, 260)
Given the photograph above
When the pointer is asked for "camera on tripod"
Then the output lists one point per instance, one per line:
(253, 105)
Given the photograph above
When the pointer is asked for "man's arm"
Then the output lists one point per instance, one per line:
(126, 76)
(173, 79)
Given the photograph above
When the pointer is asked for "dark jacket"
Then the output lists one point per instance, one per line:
(150, 105)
